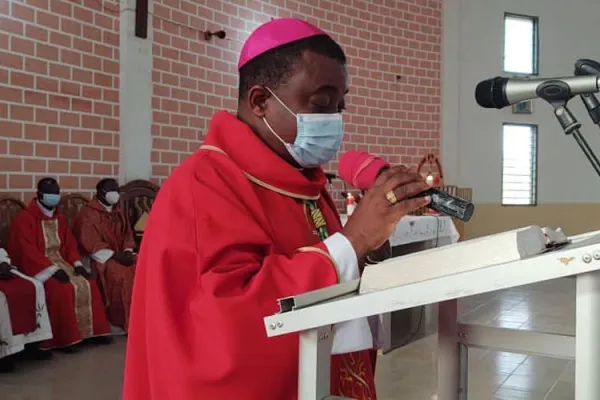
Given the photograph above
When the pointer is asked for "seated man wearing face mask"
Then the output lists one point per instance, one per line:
(105, 235)
(42, 246)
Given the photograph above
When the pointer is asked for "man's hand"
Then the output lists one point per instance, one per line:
(375, 217)
(61, 276)
(5, 273)
(80, 271)
(125, 258)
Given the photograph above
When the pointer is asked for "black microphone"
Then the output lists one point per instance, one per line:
(585, 67)
(501, 92)
(452, 206)
(351, 163)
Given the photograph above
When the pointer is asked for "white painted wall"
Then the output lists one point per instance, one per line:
(136, 97)
(471, 136)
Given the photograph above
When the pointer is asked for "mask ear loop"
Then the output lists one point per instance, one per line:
(274, 133)
(281, 102)
(269, 125)
(288, 146)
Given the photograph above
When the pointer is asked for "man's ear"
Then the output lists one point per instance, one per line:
(257, 99)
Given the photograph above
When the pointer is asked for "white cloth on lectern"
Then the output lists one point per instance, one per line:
(352, 335)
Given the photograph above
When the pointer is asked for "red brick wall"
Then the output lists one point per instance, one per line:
(193, 78)
(59, 82)
(59, 93)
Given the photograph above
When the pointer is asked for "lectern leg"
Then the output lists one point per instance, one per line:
(463, 372)
(587, 337)
(315, 362)
(448, 368)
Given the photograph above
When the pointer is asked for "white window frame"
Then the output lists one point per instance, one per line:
(536, 44)
(533, 168)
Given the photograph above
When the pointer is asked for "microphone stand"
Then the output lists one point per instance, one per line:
(569, 124)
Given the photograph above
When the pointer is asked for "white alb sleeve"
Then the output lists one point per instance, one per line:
(342, 252)
(45, 274)
(352, 335)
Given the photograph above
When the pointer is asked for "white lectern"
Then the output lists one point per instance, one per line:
(442, 275)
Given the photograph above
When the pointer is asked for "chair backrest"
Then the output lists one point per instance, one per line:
(70, 205)
(9, 208)
(137, 197)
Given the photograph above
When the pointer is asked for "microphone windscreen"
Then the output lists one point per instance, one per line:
(360, 169)
(490, 93)
(483, 94)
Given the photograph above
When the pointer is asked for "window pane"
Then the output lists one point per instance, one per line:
(519, 46)
(519, 164)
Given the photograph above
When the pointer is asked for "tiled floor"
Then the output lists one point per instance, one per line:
(405, 374)
(409, 373)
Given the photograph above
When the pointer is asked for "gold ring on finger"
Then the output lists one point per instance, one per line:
(391, 197)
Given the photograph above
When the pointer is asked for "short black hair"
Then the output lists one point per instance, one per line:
(276, 66)
(47, 183)
(100, 185)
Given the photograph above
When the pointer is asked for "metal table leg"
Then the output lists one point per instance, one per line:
(315, 364)
(448, 351)
(463, 372)
(587, 337)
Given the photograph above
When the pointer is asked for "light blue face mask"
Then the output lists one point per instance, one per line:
(50, 199)
(318, 137)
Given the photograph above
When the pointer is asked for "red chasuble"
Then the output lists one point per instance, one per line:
(37, 242)
(96, 229)
(21, 298)
(229, 234)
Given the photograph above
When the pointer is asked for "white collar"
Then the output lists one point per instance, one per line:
(47, 213)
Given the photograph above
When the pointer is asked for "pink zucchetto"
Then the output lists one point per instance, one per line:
(273, 34)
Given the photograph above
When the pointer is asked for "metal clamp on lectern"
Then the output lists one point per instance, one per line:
(335, 292)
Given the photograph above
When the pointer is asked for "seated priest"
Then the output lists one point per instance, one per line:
(106, 236)
(42, 246)
(23, 315)
(247, 220)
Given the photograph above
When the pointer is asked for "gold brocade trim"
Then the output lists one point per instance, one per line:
(261, 183)
(309, 249)
(83, 295)
(318, 218)
(348, 375)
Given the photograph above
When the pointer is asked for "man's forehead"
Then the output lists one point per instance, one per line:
(322, 71)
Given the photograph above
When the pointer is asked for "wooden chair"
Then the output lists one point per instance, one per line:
(70, 205)
(137, 197)
(9, 208)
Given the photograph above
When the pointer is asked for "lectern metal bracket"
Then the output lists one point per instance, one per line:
(319, 296)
